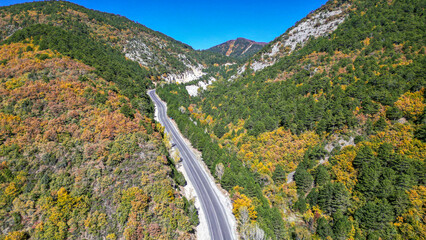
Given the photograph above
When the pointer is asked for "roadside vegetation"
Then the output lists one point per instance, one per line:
(362, 87)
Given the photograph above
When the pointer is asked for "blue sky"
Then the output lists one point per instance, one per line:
(203, 24)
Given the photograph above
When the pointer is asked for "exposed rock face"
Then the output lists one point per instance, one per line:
(193, 89)
(193, 73)
(10, 30)
(256, 66)
(320, 23)
(241, 69)
(138, 51)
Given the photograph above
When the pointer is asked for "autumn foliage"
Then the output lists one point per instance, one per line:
(72, 163)
(331, 136)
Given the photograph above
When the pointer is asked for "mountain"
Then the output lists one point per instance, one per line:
(166, 58)
(80, 154)
(322, 134)
(238, 48)
(320, 22)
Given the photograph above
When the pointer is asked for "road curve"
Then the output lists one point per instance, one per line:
(219, 227)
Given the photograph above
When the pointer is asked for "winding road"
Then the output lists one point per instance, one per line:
(215, 212)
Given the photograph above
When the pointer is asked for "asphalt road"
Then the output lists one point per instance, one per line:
(219, 227)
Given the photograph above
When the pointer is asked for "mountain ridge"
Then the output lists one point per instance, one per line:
(239, 48)
(167, 58)
(319, 22)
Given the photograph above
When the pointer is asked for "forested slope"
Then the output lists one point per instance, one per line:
(362, 85)
(80, 155)
(159, 53)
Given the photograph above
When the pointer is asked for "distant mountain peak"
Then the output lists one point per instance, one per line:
(252, 41)
(238, 48)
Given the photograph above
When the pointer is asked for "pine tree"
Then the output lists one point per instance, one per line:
(321, 175)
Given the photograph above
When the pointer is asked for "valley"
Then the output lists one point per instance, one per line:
(112, 130)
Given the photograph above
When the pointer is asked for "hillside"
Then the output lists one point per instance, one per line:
(163, 56)
(320, 22)
(78, 158)
(238, 48)
(344, 109)
(80, 154)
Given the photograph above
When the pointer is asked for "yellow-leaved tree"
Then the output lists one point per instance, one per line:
(412, 104)
(242, 203)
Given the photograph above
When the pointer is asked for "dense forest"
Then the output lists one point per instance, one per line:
(345, 113)
(80, 154)
(108, 62)
(79, 159)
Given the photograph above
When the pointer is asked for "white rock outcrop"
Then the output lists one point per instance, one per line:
(138, 51)
(256, 66)
(10, 30)
(193, 73)
(319, 24)
(193, 89)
